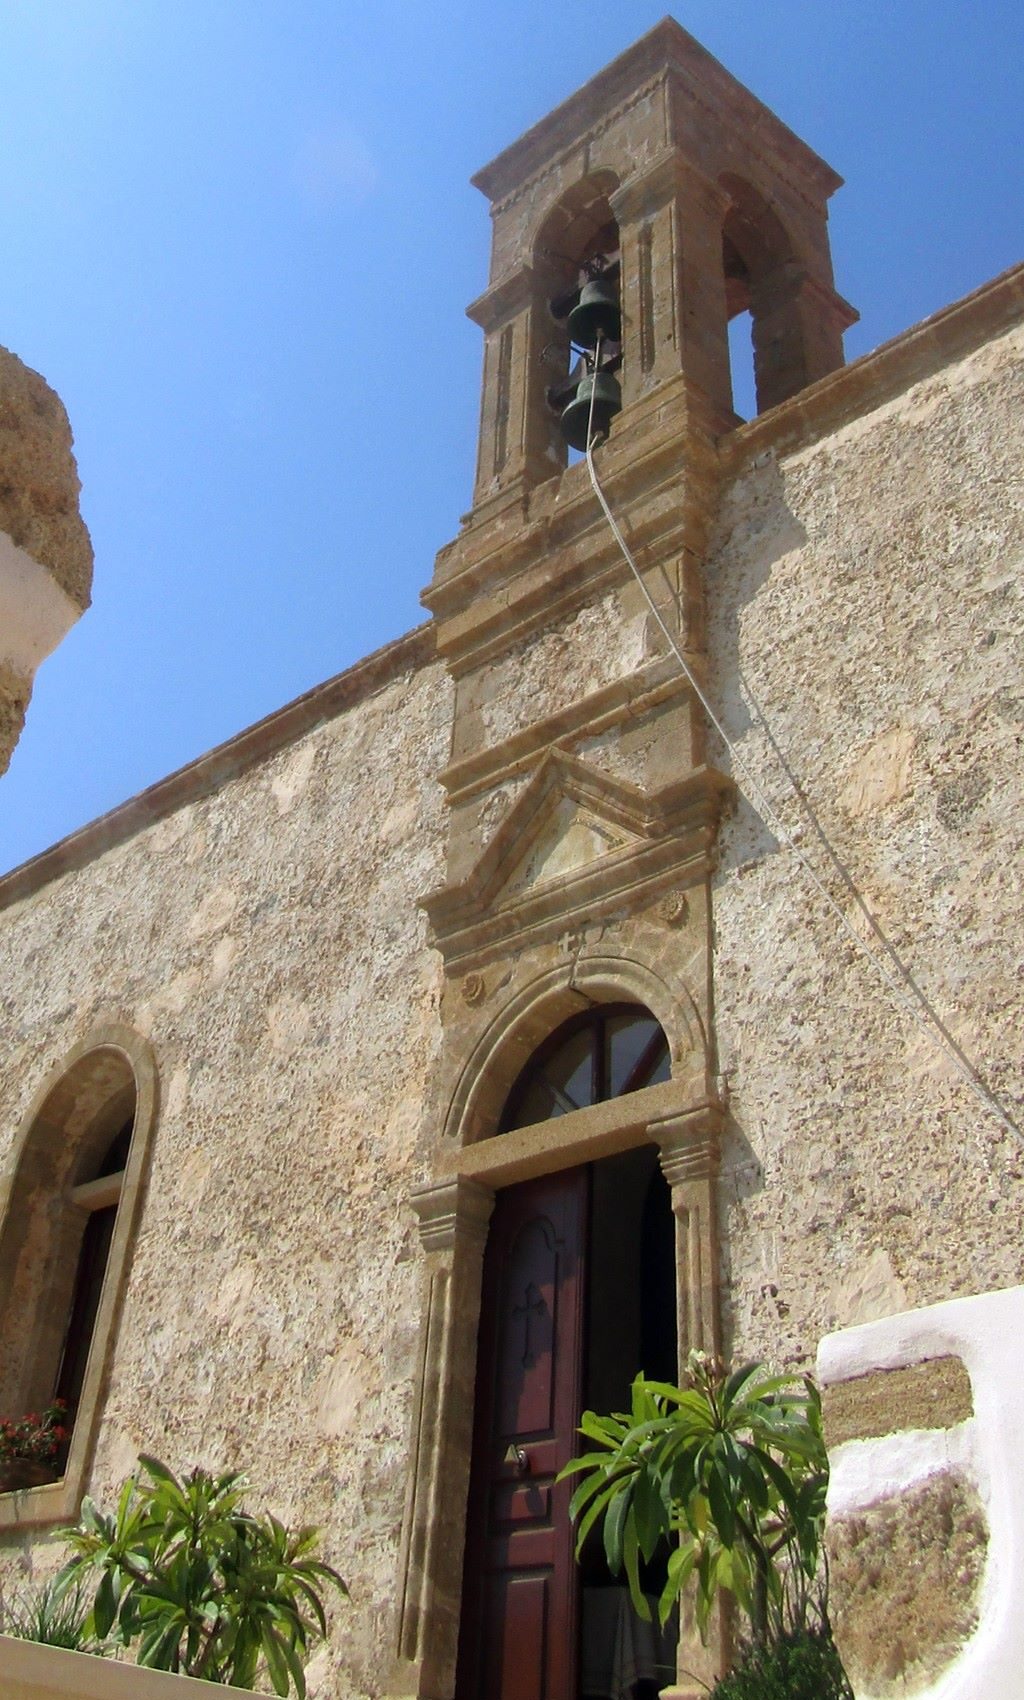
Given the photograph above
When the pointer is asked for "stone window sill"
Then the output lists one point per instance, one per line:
(54, 1502)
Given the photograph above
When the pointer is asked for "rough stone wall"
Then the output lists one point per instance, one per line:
(904, 1582)
(869, 588)
(267, 940)
(45, 552)
(39, 480)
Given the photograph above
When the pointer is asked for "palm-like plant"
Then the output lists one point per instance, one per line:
(203, 1587)
(731, 1471)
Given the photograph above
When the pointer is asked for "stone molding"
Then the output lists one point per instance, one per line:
(629, 697)
(855, 391)
(519, 568)
(453, 1217)
(690, 1151)
(504, 1042)
(667, 49)
(453, 1213)
(660, 180)
(58, 1502)
(452, 1210)
(503, 300)
(670, 835)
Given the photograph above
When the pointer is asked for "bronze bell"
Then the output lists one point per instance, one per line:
(576, 418)
(596, 314)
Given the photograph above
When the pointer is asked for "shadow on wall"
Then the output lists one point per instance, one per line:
(755, 529)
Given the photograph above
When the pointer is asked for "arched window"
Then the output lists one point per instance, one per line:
(604, 1053)
(99, 1197)
(65, 1228)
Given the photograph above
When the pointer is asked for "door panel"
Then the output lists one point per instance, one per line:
(520, 1601)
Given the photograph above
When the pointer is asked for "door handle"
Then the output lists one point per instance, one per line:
(519, 1459)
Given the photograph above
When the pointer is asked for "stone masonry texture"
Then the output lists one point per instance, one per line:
(868, 589)
(267, 941)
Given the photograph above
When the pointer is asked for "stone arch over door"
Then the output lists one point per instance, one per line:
(46, 1193)
(680, 1116)
(514, 1033)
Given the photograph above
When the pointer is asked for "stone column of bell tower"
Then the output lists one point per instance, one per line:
(45, 553)
(582, 811)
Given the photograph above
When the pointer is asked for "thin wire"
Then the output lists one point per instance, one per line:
(924, 1016)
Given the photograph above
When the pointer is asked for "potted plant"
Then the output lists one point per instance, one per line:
(32, 1447)
(190, 1582)
(727, 1476)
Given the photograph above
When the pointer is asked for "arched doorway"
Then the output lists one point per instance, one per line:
(578, 1295)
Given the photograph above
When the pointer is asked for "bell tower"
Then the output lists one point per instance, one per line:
(665, 162)
(669, 178)
(628, 227)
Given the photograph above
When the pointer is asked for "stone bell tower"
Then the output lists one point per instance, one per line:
(583, 812)
(711, 206)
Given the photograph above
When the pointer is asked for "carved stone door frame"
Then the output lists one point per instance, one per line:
(453, 1212)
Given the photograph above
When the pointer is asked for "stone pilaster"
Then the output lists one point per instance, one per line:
(689, 1145)
(453, 1218)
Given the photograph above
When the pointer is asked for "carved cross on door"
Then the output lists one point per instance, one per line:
(532, 1306)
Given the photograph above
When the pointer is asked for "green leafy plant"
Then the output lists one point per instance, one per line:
(34, 1439)
(801, 1665)
(197, 1585)
(56, 1616)
(730, 1472)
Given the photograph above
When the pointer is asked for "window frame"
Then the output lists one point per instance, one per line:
(51, 1116)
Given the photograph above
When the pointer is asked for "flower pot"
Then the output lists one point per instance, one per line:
(19, 1473)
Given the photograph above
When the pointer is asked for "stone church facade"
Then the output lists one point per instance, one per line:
(309, 970)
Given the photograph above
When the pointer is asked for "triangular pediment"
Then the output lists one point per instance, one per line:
(573, 834)
(572, 837)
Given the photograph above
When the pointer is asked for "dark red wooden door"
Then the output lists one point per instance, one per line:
(518, 1638)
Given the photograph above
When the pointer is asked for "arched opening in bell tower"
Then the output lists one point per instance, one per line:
(768, 359)
(577, 242)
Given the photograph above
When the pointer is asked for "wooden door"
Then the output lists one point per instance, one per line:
(518, 1638)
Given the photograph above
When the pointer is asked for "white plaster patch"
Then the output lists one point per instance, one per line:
(229, 1304)
(213, 912)
(870, 1290)
(288, 1022)
(339, 1388)
(35, 613)
(400, 822)
(290, 784)
(881, 773)
(225, 952)
(176, 1095)
(863, 1472)
(168, 833)
(122, 1454)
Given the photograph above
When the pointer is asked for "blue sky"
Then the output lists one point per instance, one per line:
(239, 240)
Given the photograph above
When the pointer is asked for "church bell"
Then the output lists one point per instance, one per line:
(597, 400)
(596, 314)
